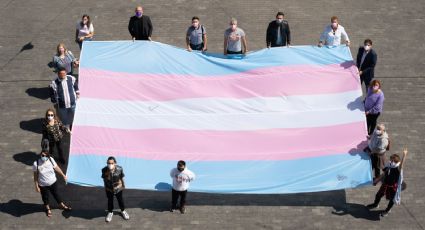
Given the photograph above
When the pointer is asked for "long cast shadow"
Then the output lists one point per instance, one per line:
(41, 93)
(33, 125)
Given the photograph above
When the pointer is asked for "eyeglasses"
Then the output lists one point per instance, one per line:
(110, 163)
(50, 115)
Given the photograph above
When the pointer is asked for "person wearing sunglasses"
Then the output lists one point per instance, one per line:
(53, 130)
(45, 181)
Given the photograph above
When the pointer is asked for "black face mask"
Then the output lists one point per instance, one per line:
(180, 169)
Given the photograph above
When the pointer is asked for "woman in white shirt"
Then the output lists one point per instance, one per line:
(333, 33)
(45, 180)
(85, 30)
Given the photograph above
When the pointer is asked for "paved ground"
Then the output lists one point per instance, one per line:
(30, 31)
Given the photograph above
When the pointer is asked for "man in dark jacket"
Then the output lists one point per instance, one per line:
(366, 61)
(140, 26)
(278, 33)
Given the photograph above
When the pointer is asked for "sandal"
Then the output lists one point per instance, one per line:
(66, 208)
(48, 212)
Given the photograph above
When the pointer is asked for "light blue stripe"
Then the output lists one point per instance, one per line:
(158, 58)
(260, 177)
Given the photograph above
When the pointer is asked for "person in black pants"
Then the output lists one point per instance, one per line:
(113, 178)
(53, 130)
(181, 179)
(278, 33)
(45, 180)
(140, 26)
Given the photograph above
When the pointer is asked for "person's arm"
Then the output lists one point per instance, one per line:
(245, 46)
(150, 29)
(53, 92)
(76, 35)
(322, 39)
(288, 36)
(130, 28)
(76, 89)
(344, 35)
(205, 39)
(268, 36)
(188, 41)
(377, 179)
(59, 170)
(225, 45)
(37, 187)
(359, 58)
(91, 31)
(404, 158)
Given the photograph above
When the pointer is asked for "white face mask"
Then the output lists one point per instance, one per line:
(334, 25)
(233, 27)
(110, 166)
(378, 132)
(367, 47)
(279, 20)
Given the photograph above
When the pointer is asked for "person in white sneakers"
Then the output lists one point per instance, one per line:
(113, 178)
(181, 179)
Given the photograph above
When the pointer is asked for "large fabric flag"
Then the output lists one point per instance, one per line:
(280, 120)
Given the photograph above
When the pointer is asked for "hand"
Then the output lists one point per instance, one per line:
(134, 39)
(288, 45)
(65, 178)
(204, 49)
(360, 72)
(78, 96)
(367, 113)
(149, 38)
(268, 46)
(405, 152)
(320, 44)
(81, 39)
(347, 43)
(189, 49)
(37, 188)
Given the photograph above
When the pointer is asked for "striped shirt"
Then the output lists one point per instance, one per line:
(64, 92)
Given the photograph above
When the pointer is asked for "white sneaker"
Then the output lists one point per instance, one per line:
(125, 215)
(109, 217)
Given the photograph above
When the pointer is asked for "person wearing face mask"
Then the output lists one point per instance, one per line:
(45, 180)
(377, 146)
(333, 34)
(64, 93)
(278, 33)
(373, 104)
(392, 180)
(181, 179)
(113, 178)
(84, 31)
(196, 36)
(140, 25)
(366, 61)
(234, 38)
(53, 130)
(64, 59)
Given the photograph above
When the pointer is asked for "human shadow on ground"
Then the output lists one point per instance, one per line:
(40, 93)
(17, 208)
(33, 125)
(357, 211)
(26, 158)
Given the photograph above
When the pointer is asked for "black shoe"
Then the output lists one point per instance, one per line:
(384, 214)
(372, 206)
(182, 210)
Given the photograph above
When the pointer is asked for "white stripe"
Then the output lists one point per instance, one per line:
(223, 114)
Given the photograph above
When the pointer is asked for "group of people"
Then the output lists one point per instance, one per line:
(64, 93)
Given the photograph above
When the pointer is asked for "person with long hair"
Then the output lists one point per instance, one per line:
(64, 59)
(53, 130)
(373, 104)
(84, 30)
(113, 178)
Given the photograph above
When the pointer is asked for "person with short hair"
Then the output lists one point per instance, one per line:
(140, 25)
(278, 33)
(45, 180)
(234, 38)
(373, 104)
(64, 59)
(64, 93)
(366, 62)
(181, 179)
(84, 31)
(333, 34)
(391, 183)
(113, 178)
(53, 130)
(196, 36)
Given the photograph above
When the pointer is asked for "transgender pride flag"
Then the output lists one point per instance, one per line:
(281, 120)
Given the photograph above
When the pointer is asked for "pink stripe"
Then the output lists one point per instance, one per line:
(166, 144)
(264, 82)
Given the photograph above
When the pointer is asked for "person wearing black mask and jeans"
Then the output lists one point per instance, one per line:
(278, 33)
(140, 26)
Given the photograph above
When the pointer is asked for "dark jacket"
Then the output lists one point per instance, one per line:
(113, 181)
(368, 66)
(140, 28)
(285, 33)
(57, 92)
